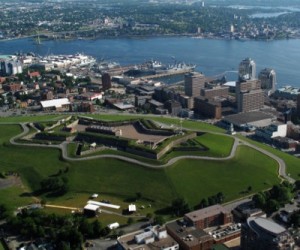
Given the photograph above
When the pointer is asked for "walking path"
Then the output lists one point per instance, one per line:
(237, 141)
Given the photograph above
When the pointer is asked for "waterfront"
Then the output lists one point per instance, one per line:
(212, 57)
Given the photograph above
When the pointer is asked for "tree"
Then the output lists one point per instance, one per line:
(149, 216)
(297, 184)
(284, 195)
(86, 228)
(211, 201)
(130, 221)
(138, 195)
(259, 200)
(180, 207)
(97, 227)
(294, 219)
(272, 206)
(3, 211)
(220, 197)
(105, 231)
(159, 220)
(203, 203)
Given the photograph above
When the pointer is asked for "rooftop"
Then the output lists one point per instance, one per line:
(244, 118)
(55, 103)
(206, 212)
(266, 225)
(128, 241)
(191, 236)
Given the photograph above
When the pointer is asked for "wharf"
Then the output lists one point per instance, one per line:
(172, 73)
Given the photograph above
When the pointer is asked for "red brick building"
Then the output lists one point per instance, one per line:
(189, 238)
(208, 108)
(209, 217)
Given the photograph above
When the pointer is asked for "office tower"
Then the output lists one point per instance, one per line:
(268, 79)
(249, 96)
(106, 81)
(193, 83)
(247, 70)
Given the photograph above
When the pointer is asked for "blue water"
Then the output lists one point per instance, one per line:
(211, 56)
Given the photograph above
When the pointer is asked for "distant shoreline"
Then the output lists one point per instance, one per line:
(195, 36)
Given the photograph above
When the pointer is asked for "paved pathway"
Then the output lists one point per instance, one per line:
(237, 142)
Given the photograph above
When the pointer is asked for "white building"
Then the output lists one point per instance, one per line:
(61, 103)
(272, 131)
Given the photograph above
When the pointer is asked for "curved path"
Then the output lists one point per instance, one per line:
(237, 142)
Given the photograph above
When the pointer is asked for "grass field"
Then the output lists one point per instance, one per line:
(14, 197)
(8, 131)
(189, 124)
(196, 179)
(293, 163)
(32, 118)
(1, 246)
(120, 181)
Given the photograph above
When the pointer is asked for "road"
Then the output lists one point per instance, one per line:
(237, 141)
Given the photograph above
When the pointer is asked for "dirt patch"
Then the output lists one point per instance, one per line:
(129, 131)
(10, 181)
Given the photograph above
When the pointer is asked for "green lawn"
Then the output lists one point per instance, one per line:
(292, 162)
(194, 179)
(1, 246)
(189, 124)
(219, 145)
(8, 131)
(212, 142)
(14, 197)
(32, 118)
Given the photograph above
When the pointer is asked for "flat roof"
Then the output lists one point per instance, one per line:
(91, 207)
(206, 212)
(123, 106)
(132, 208)
(102, 204)
(55, 103)
(128, 241)
(190, 236)
(244, 118)
(230, 84)
(266, 224)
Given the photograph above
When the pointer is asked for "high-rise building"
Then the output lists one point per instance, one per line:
(249, 96)
(247, 70)
(193, 83)
(268, 79)
(263, 234)
(106, 81)
(10, 67)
